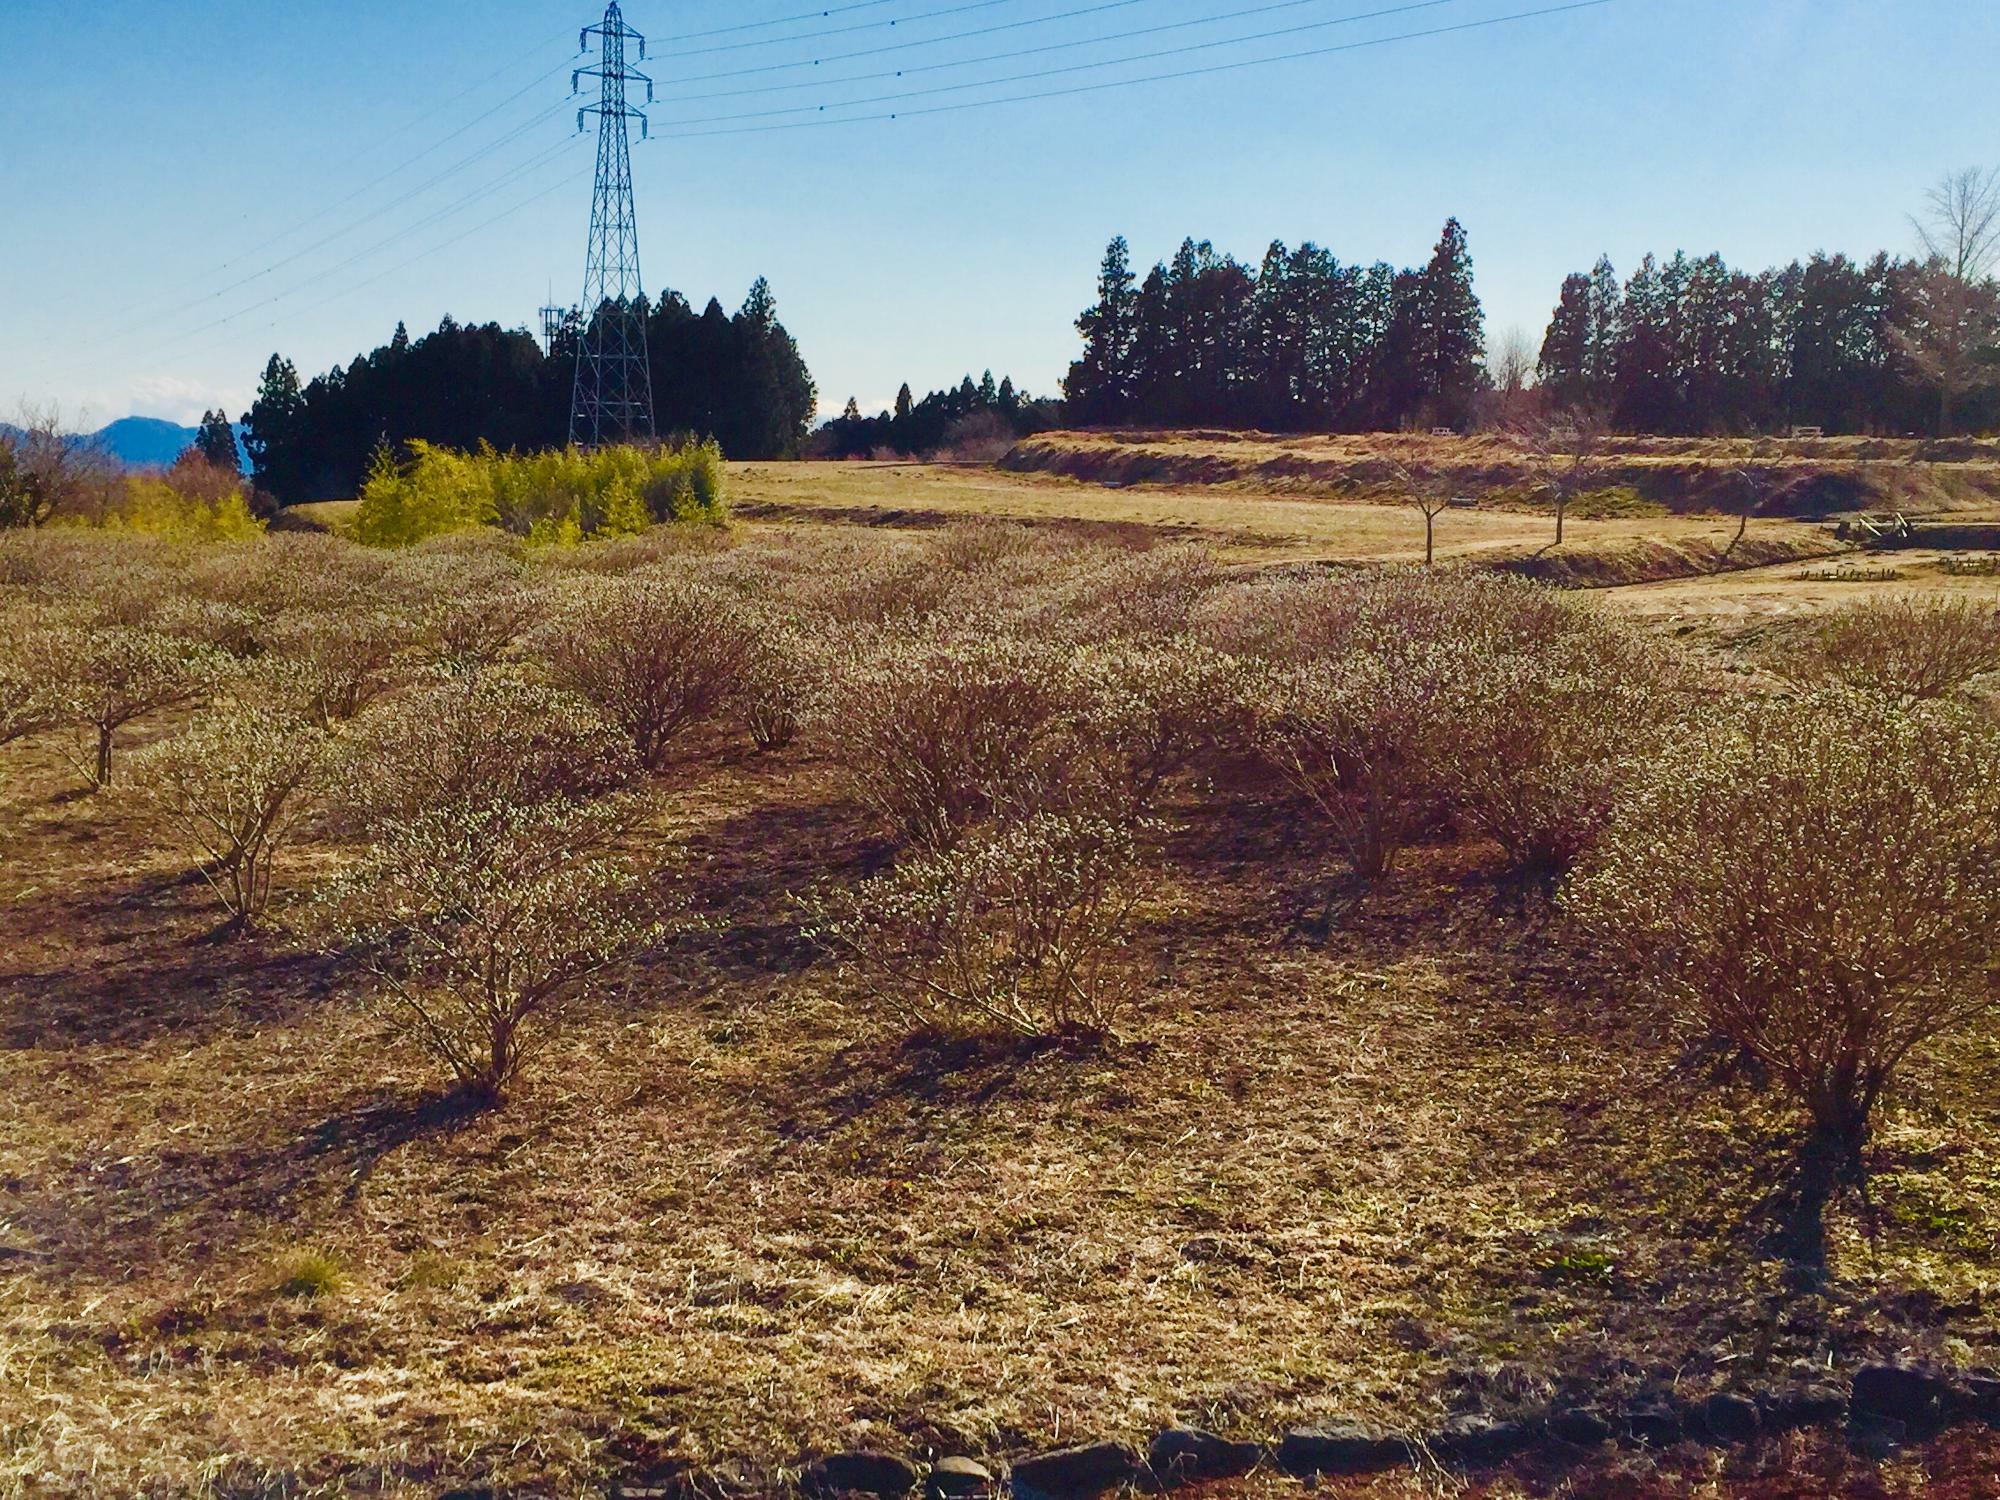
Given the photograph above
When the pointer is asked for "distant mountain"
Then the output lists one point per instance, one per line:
(135, 442)
(144, 442)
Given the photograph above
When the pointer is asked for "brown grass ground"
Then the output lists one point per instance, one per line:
(1427, 1163)
(1245, 526)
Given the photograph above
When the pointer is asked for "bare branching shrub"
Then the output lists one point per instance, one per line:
(343, 661)
(230, 628)
(1144, 713)
(1119, 594)
(656, 655)
(288, 573)
(1305, 617)
(475, 741)
(1023, 926)
(1395, 694)
(621, 555)
(52, 559)
(899, 589)
(1909, 649)
(784, 677)
(28, 700)
(231, 789)
(475, 631)
(482, 923)
(940, 735)
(1816, 881)
(1359, 733)
(1541, 741)
(101, 678)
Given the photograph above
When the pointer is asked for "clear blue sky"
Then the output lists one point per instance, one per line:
(145, 147)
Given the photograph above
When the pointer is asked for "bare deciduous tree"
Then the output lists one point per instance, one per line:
(44, 471)
(1960, 225)
(1512, 362)
(1566, 449)
(1431, 493)
(1953, 322)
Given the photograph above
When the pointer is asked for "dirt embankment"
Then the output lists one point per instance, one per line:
(1803, 477)
(1662, 560)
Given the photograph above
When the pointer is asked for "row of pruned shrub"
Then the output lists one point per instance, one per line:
(1811, 875)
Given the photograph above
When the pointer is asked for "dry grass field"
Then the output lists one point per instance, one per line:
(1247, 525)
(1428, 1156)
(1804, 477)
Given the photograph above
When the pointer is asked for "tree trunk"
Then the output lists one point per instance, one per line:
(1829, 1158)
(103, 757)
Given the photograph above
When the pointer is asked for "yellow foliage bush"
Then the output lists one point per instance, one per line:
(151, 506)
(556, 498)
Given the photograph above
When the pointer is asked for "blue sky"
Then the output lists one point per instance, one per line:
(172, 177)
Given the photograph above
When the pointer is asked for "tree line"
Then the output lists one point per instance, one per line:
(1684, 345)
(1302, 342)
(1883, 345)
(968, 415)
(1692, 346)
(739, 380)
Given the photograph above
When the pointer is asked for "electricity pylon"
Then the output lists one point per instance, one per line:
(613, 402)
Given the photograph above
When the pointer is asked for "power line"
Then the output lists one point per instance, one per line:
(1091, 88)
(437, 145)
(807, 36)
(180, 338)
(398, 170)
(952, 88)
(368, 218)
(568, 179)
(969, 62)
(1079, 67)
(125, 317)
(485, 190)
(934, 41)
(811, 15)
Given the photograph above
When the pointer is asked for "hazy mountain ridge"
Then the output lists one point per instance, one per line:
(136, 442)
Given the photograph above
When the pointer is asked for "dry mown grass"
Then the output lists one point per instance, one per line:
(738, 1215)
(1794, 477)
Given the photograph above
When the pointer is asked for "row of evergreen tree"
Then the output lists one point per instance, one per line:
(1303, 342)
(971, 409)
(1693, 346)
(739, 380)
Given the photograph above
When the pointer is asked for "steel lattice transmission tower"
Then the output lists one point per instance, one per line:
(613, 402)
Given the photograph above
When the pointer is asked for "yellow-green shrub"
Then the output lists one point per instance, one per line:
(550, 498)
(437, 491)
(151, 505)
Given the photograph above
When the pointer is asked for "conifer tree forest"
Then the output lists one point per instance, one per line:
(739, 380)
(1684, 346)
(1300, 343)
(967, 414)
(1695, 346)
